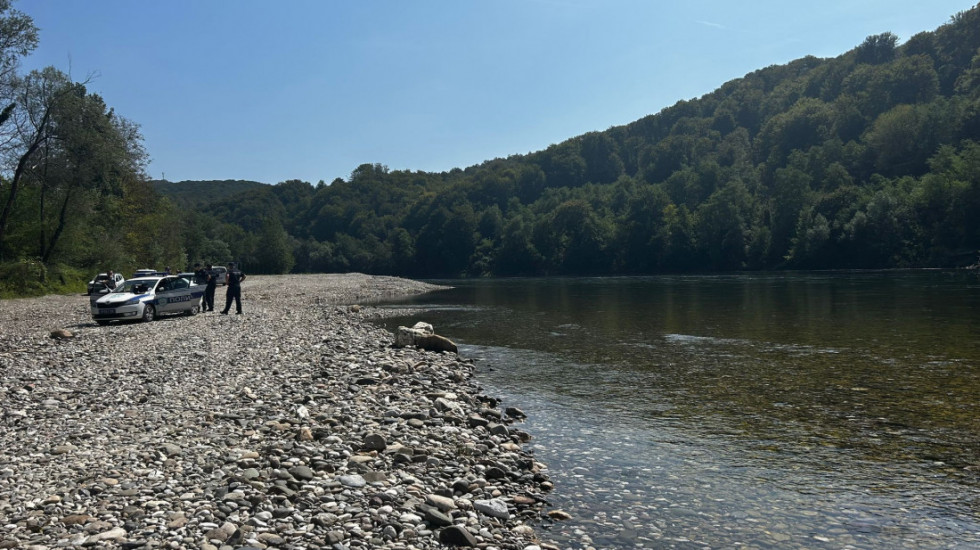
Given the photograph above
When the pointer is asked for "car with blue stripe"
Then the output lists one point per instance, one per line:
(145, 298)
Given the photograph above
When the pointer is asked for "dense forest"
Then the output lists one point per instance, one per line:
(867, 160)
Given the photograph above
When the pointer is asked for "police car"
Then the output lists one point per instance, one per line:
(145, 298)
(99, 282)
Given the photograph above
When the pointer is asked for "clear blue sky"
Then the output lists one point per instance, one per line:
(311, 89)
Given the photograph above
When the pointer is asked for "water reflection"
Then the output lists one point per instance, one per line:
(775, 410)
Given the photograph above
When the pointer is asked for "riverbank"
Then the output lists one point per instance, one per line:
(295, 425)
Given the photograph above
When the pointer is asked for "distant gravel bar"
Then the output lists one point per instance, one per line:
(296, 425)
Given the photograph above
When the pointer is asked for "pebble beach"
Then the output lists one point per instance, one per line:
(296, 425)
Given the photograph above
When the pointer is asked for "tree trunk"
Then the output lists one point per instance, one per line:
(39, 139)
(42, 239)
(62, 216)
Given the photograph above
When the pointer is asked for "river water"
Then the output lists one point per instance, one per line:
(788, 410)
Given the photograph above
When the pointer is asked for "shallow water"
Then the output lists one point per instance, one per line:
(798, 410)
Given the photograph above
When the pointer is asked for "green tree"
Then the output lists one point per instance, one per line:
(274, 253)
(18, 38)
(447, 240)
(722, 225)
(811, 241)
(642, 230)
(576, 239)
(83, 167)
(790, 194)
(516, 254)
(75, 154)
(36, 96)
(877, 49)
(602, 162)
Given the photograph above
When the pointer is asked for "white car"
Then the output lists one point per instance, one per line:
(145, 272)
(98, 283)
(220, 274)
(147, 297)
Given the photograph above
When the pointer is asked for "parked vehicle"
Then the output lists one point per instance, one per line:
(220, 274)
(146, 272)
(99, 282)
(145, 298)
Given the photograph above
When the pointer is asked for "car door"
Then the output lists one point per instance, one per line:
(165, 294)
(182, 294)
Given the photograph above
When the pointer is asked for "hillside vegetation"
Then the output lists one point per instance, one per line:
(867, 160)
(197, 194)
(870, 159)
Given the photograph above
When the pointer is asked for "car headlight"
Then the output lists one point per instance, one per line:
(132, 302)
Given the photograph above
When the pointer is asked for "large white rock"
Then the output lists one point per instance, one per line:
(494, 508)
(423, 336)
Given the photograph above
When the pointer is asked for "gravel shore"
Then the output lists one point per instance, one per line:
(295, 425)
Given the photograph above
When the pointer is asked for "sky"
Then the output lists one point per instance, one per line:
(312, 89)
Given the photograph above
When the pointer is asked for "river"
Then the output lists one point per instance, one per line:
(774, 410)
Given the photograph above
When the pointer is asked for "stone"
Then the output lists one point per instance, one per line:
(374, 477)
(495, 472)
(177, 521)
(423, 336)
(116, 534)
(270, 539)
(457, 535)
(435, 517)
(493, 507)
(76, 519)
(353, 480)
(170, 449)
(374, 442)
(302, 473)
(405, 336)
(434, 342)
(443, 503)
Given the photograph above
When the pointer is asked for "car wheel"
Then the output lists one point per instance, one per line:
(148, 313)
(102, 323)
(194, 310)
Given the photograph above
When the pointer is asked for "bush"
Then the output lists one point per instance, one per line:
(30, 277)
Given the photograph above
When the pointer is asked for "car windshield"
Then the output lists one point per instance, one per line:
(136, 286)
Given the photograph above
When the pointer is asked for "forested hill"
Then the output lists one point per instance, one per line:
(867, 160)
(197, 194)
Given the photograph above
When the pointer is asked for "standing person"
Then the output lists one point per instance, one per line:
(235, 279)
(212, 281)
(200, 275)
(111, 282)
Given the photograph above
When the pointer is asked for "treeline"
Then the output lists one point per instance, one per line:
(73, 190)
(867, 160)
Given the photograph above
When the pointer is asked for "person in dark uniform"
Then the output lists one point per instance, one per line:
(200, 275)
(201, 278)
(212, 282)
(235, 279)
